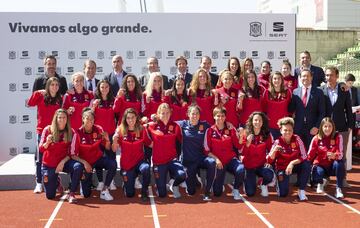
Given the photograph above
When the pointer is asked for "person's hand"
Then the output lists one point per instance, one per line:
(71, 91)
(144, 119)
(120, 93)
(49, 139)
(289, 169)
(148, 99)
(330, 155)
(219, 165)
(88, 167)
(42, 91)
(96, 103)
(105, 136)
(314, 131)
(60, 167)
(71, 110)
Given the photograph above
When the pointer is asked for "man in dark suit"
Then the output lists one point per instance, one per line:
(90, 71)
(181, 65)
(206, 64)
(305, 63)
(338, 106)
(349, 80)
(116, 76)
(50, 71)
(153, 66)
(308, 106)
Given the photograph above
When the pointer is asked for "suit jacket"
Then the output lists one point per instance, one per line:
(311, 115)
(40, 83)
(111, 78)
(354, 96)
(214, 79)
(188, 78)
(317, 72)
(143, 80)
(341, 111)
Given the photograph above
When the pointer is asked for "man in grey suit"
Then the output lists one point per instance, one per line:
(116, 76)
(153, 66)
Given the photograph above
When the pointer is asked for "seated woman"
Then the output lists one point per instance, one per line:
(289, 154)
(130, 136)
(192, 151)
(92, 141)
(326, 155)
(164, 135)
(57, 144)
(219, 144)
(257, 144)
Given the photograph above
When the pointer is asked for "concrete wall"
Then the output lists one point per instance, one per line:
(324, 45)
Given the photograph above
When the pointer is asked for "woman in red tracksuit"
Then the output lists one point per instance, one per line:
(290, 81)
(75, 102)
(251, 97)
(178, 99)
(219, 144)
(58, 145)
(165, 134)
(265, 72)
(129, 96)
(47, 102)
(201, 94)
(326, 155)
(228, 97)
(257, 143)
(233, 65)
(131, 137)
(276, 101)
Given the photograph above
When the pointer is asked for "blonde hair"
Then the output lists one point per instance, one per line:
(78, 74)
(285, 121)
(54, 128)
(150, 84)
(194, 85)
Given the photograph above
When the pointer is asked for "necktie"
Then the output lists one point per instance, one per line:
(90, 87)
(304, 98)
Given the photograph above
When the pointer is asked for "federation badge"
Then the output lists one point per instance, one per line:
(232, 94)
(226, 132)
(95, 135)
(332, 142)
(293, 145)
(86, 96)
(171, 128)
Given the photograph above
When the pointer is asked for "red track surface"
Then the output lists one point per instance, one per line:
(25, 209)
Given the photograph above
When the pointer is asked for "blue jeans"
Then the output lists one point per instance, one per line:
(336, 169)
(250, 178)
(129, 177)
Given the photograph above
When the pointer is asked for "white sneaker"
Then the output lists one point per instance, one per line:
(175, 191)
(105, 195)
(38, 188)
(339, 193)
(320, 188)
(325, 182)
(236, 194)
(100, 186)
(81, 190)
(112, 185)
(169, 184)
(302, 195)
(138, 184)
(264, 191)
(183, 184)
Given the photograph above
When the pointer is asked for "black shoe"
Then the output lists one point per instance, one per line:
(144, 197)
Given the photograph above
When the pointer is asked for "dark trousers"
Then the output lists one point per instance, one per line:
(129, 177)
(303, 173)
(235, 167)
(192, 169)
(107, 153)
(38, 161)
(250, 178)
(336, 169)
(50, 178)
(176, 171)
(102, 163)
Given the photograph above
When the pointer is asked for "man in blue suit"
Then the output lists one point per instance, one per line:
(206, 64)
(116, 76)
(305, 63)
(308, 106)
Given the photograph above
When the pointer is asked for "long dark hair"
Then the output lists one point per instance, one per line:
(264, 131)
(247, 90)
(48, 99)
(321, 133)
(173, 92)
(109, 96)
(137, 89)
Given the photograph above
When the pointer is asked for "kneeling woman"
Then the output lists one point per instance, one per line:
(326, 154)
(165, 134)
(257, 144)
(290, 156)
(57, 144)
(92, 141)
(131, 137)
(219, 144)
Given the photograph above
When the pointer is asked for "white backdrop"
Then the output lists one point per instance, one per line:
(73, 37)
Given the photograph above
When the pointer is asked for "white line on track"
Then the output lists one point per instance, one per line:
(261, 217)
(153, 208)
(342, 203)
(56, 210)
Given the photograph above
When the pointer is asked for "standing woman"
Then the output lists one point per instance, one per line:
(178, 99)
(264, 76)
(131, 137)
(290, 81)
(276, 101)
(289, 154)
(326, 153)
(234, 67)
(251, 97)
(193, 157)
(47, 103)
(164, 134)
(103, 106)
(92, 141)
(129, 96)
(153, 95)
(220, 143)
(228, 97)
(248, 64)
(57, 144)
(200, 93)
(257, 144)
(75, 102)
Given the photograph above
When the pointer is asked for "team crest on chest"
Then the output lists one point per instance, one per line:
(232, 94)
(293, 145)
